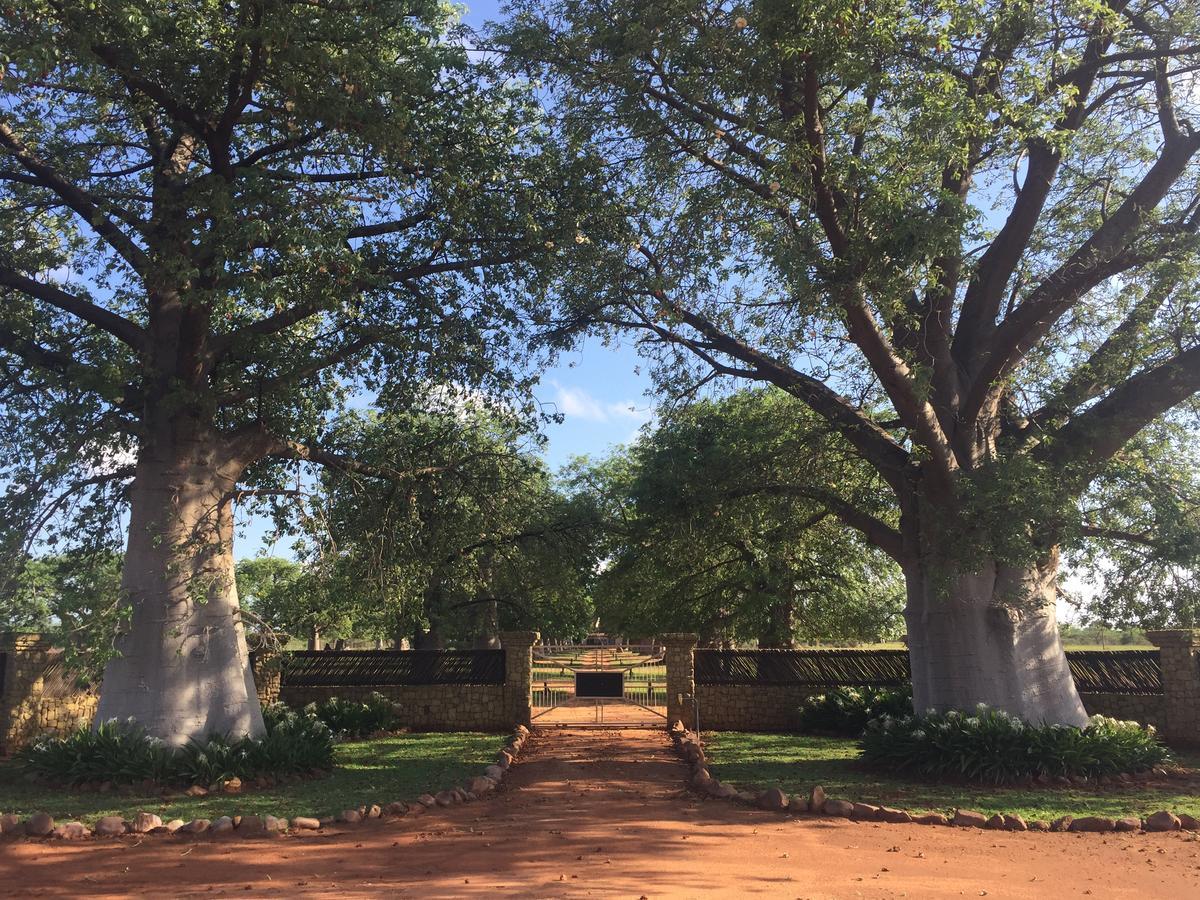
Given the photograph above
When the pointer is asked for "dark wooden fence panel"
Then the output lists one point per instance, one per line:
(313, 668)
(810, 668)
(1116, 671)
(1095, 671)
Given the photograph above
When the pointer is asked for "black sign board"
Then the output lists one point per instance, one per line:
(600, 685)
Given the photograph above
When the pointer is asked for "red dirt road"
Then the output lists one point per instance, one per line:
(590, 813)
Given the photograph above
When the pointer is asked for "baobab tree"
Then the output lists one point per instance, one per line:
(963, 234)
(220, 221)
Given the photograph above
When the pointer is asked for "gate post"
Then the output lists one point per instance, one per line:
(518, 674)
(681, 677)
(1179, 660)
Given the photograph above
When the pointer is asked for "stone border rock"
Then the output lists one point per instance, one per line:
(42, 825)
(776, 799)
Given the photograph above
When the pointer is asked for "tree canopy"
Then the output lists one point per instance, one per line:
(717, 523)
(964, 235)
(220, 222)
(479, 538)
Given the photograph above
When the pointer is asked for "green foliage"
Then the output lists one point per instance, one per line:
(398, 767)
(846, 711)
(123, 753)
(1138, 545)
(723, 519)
(354, 718)
(346, 202)
(990, 745)
(834, 197)
(480, 538)
(72, 597)
(1100, 636)
(120, 752)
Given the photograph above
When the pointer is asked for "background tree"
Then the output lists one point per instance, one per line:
(964, 235)
(478, 539)
(1138, 547)
(717, 523)
(220, 221)
(281, 600)
(72, 598)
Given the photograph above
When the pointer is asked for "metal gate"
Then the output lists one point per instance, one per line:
(614, 685)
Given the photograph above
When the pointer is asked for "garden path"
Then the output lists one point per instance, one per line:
(601, 813)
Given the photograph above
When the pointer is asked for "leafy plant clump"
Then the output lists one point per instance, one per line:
(355, 718)
(845, 712)
(121, 752)
(991, 745)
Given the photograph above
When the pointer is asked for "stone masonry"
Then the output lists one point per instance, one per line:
(424, 707)
(1179, 658)
(679, 655)
(26, 710)
(442, 707)
(775, 707)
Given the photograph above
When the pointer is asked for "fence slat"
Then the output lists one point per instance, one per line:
(315, 668)
(1095, 671)
(1116, 671)
(810, 668)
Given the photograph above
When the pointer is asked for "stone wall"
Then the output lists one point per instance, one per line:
(27, 710)
(434, 707)
(1179, 658)
(1144, 708)
(751, 707)
(773, 707)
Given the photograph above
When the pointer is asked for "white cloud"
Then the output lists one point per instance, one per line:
(578, 403)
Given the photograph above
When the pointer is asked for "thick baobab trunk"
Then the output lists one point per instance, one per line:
(183, 670)
(990, 636)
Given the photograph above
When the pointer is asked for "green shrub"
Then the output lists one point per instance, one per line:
(845, 712)
(991, 745)
(355, 718)
(122, 753)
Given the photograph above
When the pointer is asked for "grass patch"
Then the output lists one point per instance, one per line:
(797, 762)
(375, 771)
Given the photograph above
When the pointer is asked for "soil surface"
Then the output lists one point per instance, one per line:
(602, 813)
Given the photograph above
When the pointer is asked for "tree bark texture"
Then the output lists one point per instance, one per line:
(184, 669)
(990, 636)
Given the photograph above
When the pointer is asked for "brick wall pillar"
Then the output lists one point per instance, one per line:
(681, 677)
(1179, 659)
(518, 674)
(25, 658)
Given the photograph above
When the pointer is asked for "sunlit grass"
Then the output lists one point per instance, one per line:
(375, 771)
(798, 762)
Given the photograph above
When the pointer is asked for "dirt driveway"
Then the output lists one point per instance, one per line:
(591, 813)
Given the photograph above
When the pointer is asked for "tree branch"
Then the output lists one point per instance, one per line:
(1090, 439)
(78, 200)
(104, 319)
(1096, 259)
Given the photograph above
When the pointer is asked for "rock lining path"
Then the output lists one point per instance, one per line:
(599, 813)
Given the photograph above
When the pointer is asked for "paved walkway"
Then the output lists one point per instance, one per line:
(596, 813)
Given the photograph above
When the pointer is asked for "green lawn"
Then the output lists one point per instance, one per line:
(797, 762)
(379, 771)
